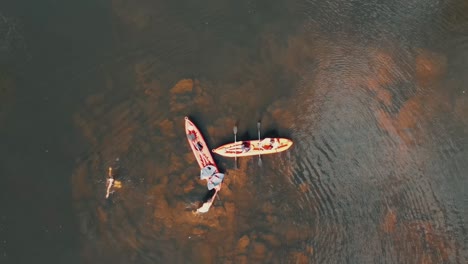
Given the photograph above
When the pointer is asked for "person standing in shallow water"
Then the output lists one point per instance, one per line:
(111, 183)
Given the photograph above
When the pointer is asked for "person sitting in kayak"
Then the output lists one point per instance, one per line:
(266, 144)
(274, 143)
(199, 146)
(191, 135)
(245, 146)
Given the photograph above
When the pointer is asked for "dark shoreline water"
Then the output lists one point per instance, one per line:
(45, 55)
(372, 94)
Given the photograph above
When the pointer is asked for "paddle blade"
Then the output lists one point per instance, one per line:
(258, 129)
(259, 158)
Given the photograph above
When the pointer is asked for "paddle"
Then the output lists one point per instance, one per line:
(235, 141)
(259, 144)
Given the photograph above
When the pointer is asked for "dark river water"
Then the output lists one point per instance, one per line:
(373, 93)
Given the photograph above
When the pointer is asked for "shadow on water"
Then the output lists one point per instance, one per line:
(376, 170)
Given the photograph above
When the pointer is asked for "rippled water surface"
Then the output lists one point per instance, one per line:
(373, 94)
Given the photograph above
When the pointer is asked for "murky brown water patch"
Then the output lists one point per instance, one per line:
(155, 202)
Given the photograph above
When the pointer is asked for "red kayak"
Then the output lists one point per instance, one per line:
(254, 147)
(209, 170)
(197, 143)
